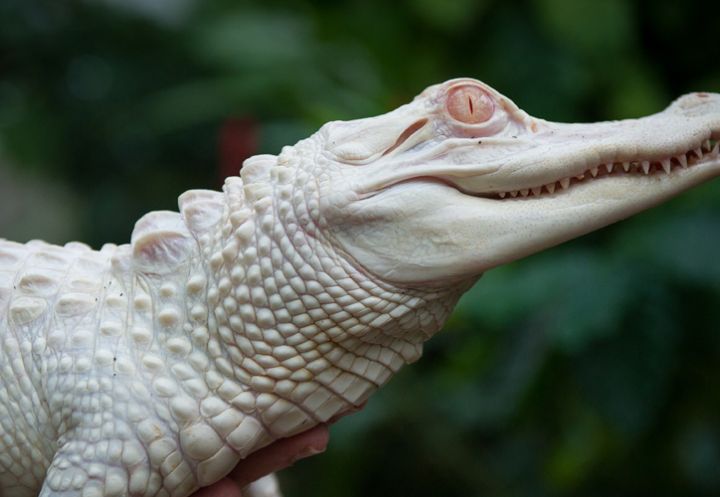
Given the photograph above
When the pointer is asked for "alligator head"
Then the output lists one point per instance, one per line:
(461, 180)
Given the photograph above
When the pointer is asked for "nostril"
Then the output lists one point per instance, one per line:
(697, 100)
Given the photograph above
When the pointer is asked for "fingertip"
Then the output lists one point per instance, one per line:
(315, 438)
(223, 488)
(281, 454)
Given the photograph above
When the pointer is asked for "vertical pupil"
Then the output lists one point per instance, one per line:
(469, 104)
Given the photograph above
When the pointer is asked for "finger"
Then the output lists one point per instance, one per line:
(347, 412)
(280, 454)
(222, 488)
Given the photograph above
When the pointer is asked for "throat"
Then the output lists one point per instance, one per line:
(295, 325)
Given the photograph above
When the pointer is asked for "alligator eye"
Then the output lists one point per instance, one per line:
(469, 104)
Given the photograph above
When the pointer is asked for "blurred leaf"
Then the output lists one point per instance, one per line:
(256, 40)
(684, 247)
(89, 77)
(450, 14)
(32, 205)
(578, 296)
(34, 138)
(636, 94)
(579, 449)
(162, 11)
(512, 52)
(698, 453)
(626, 377)
(596, 28)
(494, 394)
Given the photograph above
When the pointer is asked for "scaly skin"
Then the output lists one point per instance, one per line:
(151, 369)
(179, 371)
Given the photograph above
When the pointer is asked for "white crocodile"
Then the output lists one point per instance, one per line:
(151, 369)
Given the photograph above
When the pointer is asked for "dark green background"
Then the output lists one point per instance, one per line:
(588, 370)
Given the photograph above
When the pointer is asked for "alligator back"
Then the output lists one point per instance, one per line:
(48, 298)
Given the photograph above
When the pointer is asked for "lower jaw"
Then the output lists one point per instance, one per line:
(523, 226)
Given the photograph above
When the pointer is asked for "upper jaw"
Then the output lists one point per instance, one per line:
(559, 156)
(539, 172)
(634, 165)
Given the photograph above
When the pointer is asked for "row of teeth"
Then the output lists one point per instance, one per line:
(709, 148)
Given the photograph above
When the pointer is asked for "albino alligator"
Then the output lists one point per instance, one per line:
(151, 369)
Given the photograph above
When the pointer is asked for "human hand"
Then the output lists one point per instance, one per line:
(274, 457)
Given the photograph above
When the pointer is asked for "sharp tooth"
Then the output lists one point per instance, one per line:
(698, 152)
(513, 194)
(565, 183)
(609, 167)
(716, 150)
(706, 145)
(550, 188)
(666, 165)
(626, 166)
(502, 194)
(524, 192)
(536, 191)
(580, 177)
(683, 161)
(594, 171)
(646, 166)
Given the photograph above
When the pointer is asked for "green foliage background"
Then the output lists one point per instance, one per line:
(588, 370)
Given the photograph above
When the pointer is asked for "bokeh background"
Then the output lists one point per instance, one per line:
(588, 370)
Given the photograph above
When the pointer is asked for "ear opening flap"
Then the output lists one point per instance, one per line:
(411, 130)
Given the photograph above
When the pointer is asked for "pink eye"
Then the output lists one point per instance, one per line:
(469, 104)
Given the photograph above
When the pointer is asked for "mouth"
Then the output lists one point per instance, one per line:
(707, 152)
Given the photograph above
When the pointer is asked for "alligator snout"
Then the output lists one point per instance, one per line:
(699, 103)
